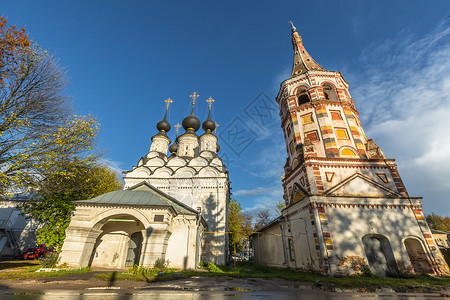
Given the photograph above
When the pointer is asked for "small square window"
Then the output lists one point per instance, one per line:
(307, 119)
(159, 218)
(312, 136)
(341, 133)
(335, 115)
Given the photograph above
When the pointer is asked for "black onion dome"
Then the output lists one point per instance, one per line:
(173, 148)
(209, 124)
(191, 121)
(163, 125)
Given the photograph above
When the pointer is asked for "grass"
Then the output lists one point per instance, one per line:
(17, 270)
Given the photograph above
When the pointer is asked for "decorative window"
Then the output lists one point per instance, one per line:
(341, 133)
(284, 108)
(303, 96)
(329, 92)
(158, 218)
(335, 115)
(312, 136)
(288, 130)
(307, 119)
(347, 152)
(291, 147)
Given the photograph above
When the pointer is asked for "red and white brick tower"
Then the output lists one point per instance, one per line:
(347, 206)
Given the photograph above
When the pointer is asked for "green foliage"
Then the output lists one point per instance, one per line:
(49, 260)
(161, 265)
(437, 222)
(239, 226)
(137, 270)
(76, 180)
(213, 268)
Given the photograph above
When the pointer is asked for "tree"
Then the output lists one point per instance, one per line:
(438, 223)
(43, 146)
(262, 219)
(239, 226)
(280, 206)
(82, 180)
(33, 110)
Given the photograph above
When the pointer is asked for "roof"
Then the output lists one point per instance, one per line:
(275, 221)
(141, 194)
(24, 196)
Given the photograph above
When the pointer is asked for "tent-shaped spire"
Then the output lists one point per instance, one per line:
(303, 62)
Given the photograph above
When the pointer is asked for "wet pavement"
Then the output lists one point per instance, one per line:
(92, 294)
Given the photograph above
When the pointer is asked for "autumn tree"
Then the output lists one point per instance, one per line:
(239, 226)
(437, 222)
(43, 145)
(280, 206)
(33, 109)
(262, 219)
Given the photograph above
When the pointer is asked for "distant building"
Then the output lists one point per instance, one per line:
(172, 207)
(347, 206)
(16, 232)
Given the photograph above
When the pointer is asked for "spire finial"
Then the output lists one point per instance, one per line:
(210, 101)
(194, 96)
(215, 130)
(168, 101)
(293, 27)
(177, 127)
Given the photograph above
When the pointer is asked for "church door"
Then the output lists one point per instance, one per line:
(418, 257)
(134, 250)
(379, 255)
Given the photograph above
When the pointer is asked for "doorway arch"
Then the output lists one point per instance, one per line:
(418, 256)
(118, 233)
(379, 255)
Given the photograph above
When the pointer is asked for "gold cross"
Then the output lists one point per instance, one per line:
(168, 101)
(177, 127)
(210, 102)
(194, 96)
(215, 130)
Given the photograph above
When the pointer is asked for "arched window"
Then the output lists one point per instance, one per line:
(329, 92)
(303, 96)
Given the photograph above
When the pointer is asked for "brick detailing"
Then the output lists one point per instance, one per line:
(398, 181)
(318, 180)
(325, 231)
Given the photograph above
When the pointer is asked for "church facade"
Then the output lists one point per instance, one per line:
(346, 205)
(173, 207)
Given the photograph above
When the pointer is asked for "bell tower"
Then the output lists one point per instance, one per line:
(344, 199)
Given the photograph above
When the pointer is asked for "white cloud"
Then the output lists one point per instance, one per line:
(256, 191)
(403, 96)
(114, 166)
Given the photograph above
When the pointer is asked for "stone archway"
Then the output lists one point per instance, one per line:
(418, 256)
(117, 234)
(379, 255)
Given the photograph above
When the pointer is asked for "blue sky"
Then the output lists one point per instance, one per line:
(123, 58)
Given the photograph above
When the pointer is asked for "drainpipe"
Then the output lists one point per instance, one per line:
(197, 247)
(282, 240)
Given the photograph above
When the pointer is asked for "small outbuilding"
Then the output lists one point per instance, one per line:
(134, 226)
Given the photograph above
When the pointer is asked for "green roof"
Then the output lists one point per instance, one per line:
(142, 194)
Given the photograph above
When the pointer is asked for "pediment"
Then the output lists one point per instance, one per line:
(359, 185)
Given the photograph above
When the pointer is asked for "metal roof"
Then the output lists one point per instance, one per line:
(142, 194)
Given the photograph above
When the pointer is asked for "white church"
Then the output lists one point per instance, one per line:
(172, 207)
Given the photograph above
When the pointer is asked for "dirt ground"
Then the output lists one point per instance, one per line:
(195, 283)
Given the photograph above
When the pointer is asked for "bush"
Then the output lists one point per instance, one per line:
(49, 260)
(137, 270)
(213, 268)
(161, 265)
